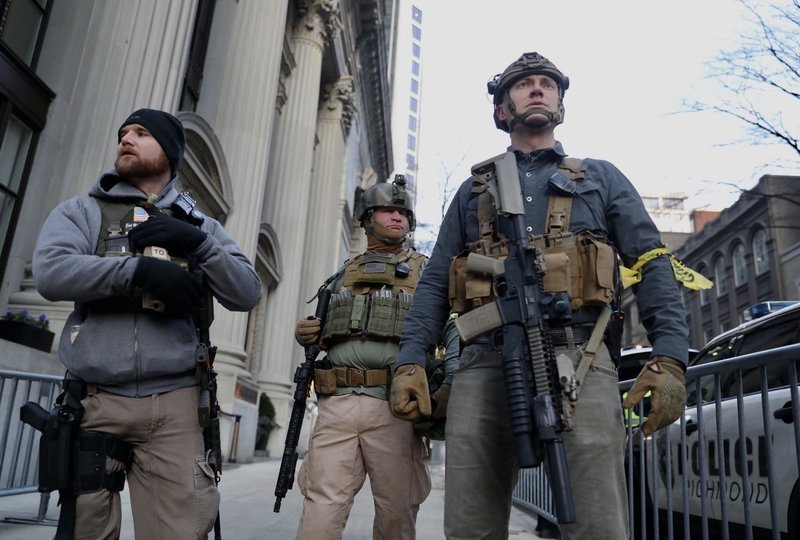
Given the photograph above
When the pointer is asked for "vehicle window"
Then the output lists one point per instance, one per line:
(762, 339)
(718, 352)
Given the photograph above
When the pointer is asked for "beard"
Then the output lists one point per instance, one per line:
(141, 168)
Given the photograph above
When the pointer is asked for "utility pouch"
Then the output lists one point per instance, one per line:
(337, 320)
(557, 276)
(589, 270)
(467, 290)
(403, 300)
(598, 260)
(324, 381)
(380, 322)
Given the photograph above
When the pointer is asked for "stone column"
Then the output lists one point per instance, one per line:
(287, 194)
(237, 100)
(136, 59)
(333, 125)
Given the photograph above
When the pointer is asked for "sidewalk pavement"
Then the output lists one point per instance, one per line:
(247, 492)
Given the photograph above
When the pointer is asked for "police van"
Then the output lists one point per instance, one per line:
(724, 475)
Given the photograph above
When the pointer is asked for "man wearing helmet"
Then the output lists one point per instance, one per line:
(355, 434)
(567, 202)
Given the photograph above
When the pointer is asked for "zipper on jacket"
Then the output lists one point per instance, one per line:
(136, 361)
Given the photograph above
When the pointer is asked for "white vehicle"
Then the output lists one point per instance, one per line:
(726, 469)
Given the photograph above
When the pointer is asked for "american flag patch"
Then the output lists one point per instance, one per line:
(140, 215)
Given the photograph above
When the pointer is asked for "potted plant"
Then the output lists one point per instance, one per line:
(266, 422)
(22, 328)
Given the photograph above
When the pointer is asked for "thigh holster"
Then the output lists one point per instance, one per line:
(92, 449)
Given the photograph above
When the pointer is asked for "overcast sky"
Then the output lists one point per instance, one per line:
(630, 66)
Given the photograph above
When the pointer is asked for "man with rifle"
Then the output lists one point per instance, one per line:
(527, 256)
(355, 434)
(140, 263)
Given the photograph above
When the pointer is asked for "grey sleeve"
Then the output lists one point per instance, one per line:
(65, 266)
(232, 277)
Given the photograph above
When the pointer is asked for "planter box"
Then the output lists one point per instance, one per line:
(25, 334)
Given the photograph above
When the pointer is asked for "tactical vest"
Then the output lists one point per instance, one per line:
(374, 297)
(116, 220)
(582, 266)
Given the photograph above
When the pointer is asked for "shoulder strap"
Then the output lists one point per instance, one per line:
(559, 207)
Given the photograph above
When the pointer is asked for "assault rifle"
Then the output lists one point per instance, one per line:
(519, 317)
(303, 377)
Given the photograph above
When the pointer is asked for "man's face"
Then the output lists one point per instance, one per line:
(392, 221)
(532, 93)
(139, 155)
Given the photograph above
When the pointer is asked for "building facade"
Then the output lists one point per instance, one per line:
(751, 252)
(286, 105)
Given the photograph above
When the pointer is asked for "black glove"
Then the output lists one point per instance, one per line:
(174, 235)
(180, 291)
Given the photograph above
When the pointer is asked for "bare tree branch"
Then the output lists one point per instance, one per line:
(761, 74)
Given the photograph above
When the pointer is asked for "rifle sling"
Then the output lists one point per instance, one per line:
(590, 351)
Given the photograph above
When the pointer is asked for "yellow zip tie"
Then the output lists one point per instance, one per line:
(685, 275)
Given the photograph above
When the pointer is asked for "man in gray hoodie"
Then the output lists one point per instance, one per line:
(140, 266)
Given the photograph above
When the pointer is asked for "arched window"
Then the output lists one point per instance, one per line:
(739, 266)
(760, 256)
(720, 278)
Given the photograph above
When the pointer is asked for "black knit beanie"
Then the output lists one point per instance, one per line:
(166, 129)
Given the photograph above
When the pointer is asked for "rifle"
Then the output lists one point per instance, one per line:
(303, 376)
(520, 320)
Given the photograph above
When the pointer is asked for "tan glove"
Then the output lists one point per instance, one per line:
(307, 331)
(664, 377)
(441, 397)
(409, 398)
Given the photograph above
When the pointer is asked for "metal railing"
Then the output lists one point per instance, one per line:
(19, 443)
(713, 473)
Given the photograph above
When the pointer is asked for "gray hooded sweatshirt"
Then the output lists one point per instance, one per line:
(131, 353)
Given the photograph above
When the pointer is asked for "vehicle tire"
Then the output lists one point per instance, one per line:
(793, 513)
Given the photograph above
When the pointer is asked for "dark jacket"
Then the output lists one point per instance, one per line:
(607, 204)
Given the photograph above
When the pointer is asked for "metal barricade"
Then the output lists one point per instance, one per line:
(19, 443)
(728, 468)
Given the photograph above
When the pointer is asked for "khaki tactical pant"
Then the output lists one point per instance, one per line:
(354, 436)
(172, 488)
(481, 469)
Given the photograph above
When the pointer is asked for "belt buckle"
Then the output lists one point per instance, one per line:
(355, 377)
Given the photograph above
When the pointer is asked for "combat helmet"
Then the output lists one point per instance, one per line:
(528, 64)
(392, 195)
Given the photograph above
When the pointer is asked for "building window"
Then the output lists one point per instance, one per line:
(739, 266)
(22, 25)
(415, 68)
(720, 279)
(415, 50)
(412, 123)
(411, 163)
(416, 14)
(412, 142)
(413, 104)
(671, 202)
(416, 32)
(14, 153)
(414, 86)
(193, 78)
(760, 257)
(650, 202)
(24, 104)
